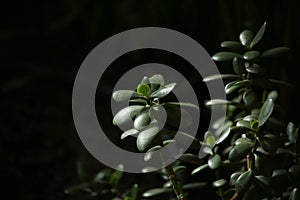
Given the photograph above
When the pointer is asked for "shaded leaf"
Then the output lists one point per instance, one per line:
(190, 158)
(295, 194)
(238, 66)
(273, 95)
(255, 69)
(243, 182)
(251, 55)
(214, 161)
(221, 102)
(200, 168)
(156, 192)
(225, 132)
(147, 136)
(231, 45)
(225, 56)
(250, 97)
(182, 105)
(126, 114)
(219, 183)
(278, 51)
(192, 186)
(234, 177)
(142, 120)
(265, 111)
(179, 169)
(246, 37)
(258, 35)
(150, 152)
(292, 132)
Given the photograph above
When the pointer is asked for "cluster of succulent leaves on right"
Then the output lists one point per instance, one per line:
(263, 155)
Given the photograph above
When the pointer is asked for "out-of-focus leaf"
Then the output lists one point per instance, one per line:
(292, 132)
(282, 83)
(177, 115)
(219, 183)
(246, 37)
(200, 168)
(156, 192)
(221, 76)
(225, 132)
(265, 111)
(278, 51)
(243, 182)
(76, 188)
(294, 172)
(238, 66)
(250, 97)
(134, 192)
(179, 169)
(273, 95)
(163, 91)
(251, 55)
(190, 158)
(182, 105)
(150, 152)
(128, 133)
(147, 136)
(225, 56)
(126, 114)
(192, 186)
(234, 86)
(221, 102)
(258, 35)
(295, 194)
(262, 82)
(214, 161)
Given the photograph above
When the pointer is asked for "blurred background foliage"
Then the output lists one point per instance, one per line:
(44, 42)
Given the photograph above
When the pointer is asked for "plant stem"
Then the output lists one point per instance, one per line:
(177, 186)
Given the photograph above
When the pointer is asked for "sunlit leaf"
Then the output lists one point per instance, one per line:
(221, 76)
(147, 136)
(163, 91)
(128, 133)
(126, 114)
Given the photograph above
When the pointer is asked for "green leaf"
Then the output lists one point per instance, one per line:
(163, 91)
(270, 142)
(221, 76)
(149, 153)
(192, 186)
(225, 56)
(235, 85)
(258, 35)
(250, 97)
(166, 142)
(190, 158)
(292, 132)
(273, 95)
(282, 83)
(294, 172)
(157, 79)
(234, 177)
(143, 89)
(126, 114)
(182, 105)
(147, 136)
(188, 139)
(295, 194)
(179, 169)
(225, 132)
(158, 112)
(243, 182)
(238, 66)
(214, 161)
(265, 112)
(255, 69)
(239, 151)
(278, 51)
(251, 55)
(156, 192)
(124, 95)
(128, 133)
(220, 102)
(199, 169)
(142, 120)
(219, 183)
(134, 192)
(244, 142)
(145, 80)
(234, 45)
(244, 124)
(210, 140)
(246, 37)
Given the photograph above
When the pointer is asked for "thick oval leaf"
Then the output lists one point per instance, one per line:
(214, 161)
(190, 158)
(273, 95)
(258, 35)
(238, 66)
(128, 133)
(142, 120)
(234, 45)
(295, 194)
(157, 79)
(250, 97)
(182, 105)
(163, 91)
(234, 177)
(295, 174)
(255, 69)
(156, 192)
(147, 136)
(221, 76)
(158, 113)
(225, 56)
(234, 86)
(143, 89)
(244, 124)
(179, 169)
(192, 186)
(240, 151)
(246, 37)
(219, 183)
(126, 114)
(251, 193)
(225, 132)
(221, 102)
(243, 182)
(278, 51)
(265, 112)
(150, 152)
(199, 169)
(124, 95)
(244, 141)
(270, 142)
(251, 55)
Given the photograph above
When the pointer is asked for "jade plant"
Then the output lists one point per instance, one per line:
(252, 151)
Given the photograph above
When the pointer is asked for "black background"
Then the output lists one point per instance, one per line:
(42, 44)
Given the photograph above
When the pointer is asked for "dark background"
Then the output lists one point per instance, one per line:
(42, 44)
